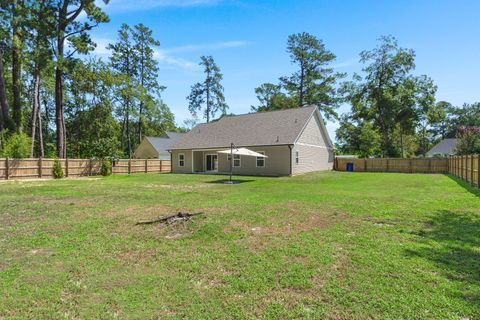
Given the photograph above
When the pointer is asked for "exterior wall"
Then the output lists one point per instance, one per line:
(198, 159)
(311, 158)
(277, 163)
(312, 149)
(146, 151)
(188, 161)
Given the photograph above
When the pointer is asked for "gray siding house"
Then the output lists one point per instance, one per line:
(445, 148)
(294, 140)
(157, 147)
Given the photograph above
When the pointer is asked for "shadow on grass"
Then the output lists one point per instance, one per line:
(454, 249)
(464, 184)
(236, 181)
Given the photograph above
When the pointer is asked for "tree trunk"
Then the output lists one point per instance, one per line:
(40, 131)
(36, 106)
(59, 119)
(16, 69)
(302, 80)
(4, 121)
(401, 141)
(140, 111)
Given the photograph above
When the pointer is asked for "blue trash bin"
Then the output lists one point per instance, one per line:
(349, 166)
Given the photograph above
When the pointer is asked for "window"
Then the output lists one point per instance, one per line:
(296, 157)
(260, 160)
(181, 160)
(236, 160)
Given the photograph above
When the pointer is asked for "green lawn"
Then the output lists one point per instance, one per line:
(327, 245)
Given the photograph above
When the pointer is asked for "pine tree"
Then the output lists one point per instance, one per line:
(209, 92)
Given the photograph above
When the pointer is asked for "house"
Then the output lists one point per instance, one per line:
(294, 140)
(157, 147)
(444, 148)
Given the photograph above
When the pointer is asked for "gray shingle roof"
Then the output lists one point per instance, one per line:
(255, 129)
(173, 135)
(162, 144)
(444, 147)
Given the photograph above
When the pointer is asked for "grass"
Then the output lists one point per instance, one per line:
(327, 245)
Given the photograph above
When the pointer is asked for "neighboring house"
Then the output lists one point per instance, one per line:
(157, 147)
(294, 141)
(444, 148)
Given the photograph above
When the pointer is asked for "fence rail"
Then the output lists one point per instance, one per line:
(43, 168)
(465, 167)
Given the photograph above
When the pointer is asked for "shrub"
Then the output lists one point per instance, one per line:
(17, 146)
(468, 141)
(57, 169)
(106, 168)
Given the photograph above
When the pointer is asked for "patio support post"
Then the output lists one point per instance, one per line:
(231, 160)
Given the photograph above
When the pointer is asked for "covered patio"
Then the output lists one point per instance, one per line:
(209, 161)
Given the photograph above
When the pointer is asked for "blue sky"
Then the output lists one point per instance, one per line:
(248, 40)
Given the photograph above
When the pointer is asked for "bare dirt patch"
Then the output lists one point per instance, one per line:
(290, 217)
(83, 202)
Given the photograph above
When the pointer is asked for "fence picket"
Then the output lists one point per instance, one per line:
(42, 168)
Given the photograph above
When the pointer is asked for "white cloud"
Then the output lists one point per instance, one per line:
(167, 57)
(142, 5)
(209, 46)
(163, 57)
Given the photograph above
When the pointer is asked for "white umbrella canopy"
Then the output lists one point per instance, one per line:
(243, 152)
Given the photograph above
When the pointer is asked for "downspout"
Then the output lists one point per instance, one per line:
(171, 161)
(291, 164)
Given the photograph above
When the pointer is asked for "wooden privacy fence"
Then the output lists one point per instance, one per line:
(414, 165)
(42, 168)
(465, 167)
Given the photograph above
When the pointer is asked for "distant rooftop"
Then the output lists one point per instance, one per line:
(445, 147)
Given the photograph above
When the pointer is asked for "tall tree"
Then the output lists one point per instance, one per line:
(147, 69)
(4, 116)
(209, 92)
(17, 44)
(314, 81)
(125, 61)
(271, 97)
(71, 33)
(389, 95)
(39, 60)
(438, 118)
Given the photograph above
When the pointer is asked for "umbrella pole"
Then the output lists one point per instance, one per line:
(231, 160)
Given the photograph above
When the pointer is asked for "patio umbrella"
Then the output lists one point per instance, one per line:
(240, 151)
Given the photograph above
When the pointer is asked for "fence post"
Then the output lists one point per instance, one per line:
(387, 166)
(90, 167)
(161, 165)
(471, 170)
(410, 165)
(129, 166)
(146, 166)
(460, 168)
(429, 165)
(7, 168)
(40, 165)
(365, 164)
(66, 167)
(478, 170)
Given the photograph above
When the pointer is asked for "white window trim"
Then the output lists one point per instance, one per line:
(239, 160)
(179, 160)
(256, 160)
